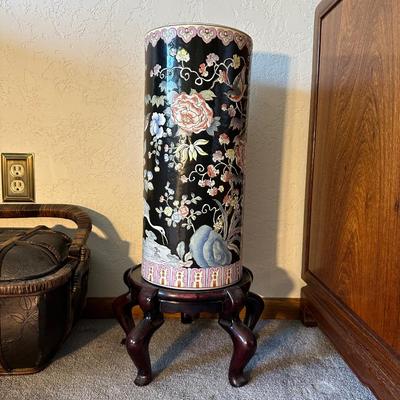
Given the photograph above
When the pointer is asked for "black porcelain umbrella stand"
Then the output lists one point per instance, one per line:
(196, 99)
(196, 112)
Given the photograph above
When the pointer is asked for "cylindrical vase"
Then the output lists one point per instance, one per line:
(196, 97)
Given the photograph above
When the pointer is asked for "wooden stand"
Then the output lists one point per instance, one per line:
(156, 300)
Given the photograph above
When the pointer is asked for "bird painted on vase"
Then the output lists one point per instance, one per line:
(238, 87)
(156, 227)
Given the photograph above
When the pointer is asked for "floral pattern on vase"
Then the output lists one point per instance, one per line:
(195, 133)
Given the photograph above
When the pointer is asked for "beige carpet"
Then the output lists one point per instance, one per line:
(190, 362)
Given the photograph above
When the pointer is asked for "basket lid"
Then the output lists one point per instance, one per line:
(29, 254)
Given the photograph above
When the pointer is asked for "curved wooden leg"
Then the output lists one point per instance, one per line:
(138, 339)
(254, 308)
(122, 309)
(244, 341)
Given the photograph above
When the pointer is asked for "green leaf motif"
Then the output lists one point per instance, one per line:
(192, 152)
(182, 152)
(197, 147)
(207, 94)
(157, 100)
(185, 151)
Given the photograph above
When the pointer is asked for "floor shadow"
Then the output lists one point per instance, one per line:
(166, 365)
(263, 174)
(83, 334)
(176, 348)
(273, 337)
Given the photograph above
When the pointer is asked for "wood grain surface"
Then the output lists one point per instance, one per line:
(354, 224)
(351, 260)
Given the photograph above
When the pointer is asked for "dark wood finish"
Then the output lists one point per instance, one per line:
(351, 262)
(154, 301)
(138, 339)
(281, 308)
(274, 308)
(307, 317)
(367, 355)
(254, 309)
(243, 339)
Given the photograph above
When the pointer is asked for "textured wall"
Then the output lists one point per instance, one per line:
(71, 91)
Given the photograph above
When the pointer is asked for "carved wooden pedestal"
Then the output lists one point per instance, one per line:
(155, 300)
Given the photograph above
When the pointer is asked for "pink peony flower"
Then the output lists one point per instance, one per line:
(191, 112)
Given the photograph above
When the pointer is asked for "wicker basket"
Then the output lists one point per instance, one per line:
(43, 285)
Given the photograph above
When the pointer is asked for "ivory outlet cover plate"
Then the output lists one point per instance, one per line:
(17, 177)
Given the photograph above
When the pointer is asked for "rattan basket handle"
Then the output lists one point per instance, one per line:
(74, 213)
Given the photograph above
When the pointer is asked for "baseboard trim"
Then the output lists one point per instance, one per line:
(275, 308)
(376, 365)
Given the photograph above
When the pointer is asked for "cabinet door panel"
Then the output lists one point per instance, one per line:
(354, 242)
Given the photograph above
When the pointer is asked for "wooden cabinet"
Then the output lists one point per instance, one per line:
(352, 224)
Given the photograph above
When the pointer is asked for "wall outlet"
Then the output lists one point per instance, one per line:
(17, 177)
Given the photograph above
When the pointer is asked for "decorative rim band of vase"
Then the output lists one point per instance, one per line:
(207, 32)
(191, 278)
(196, 99)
